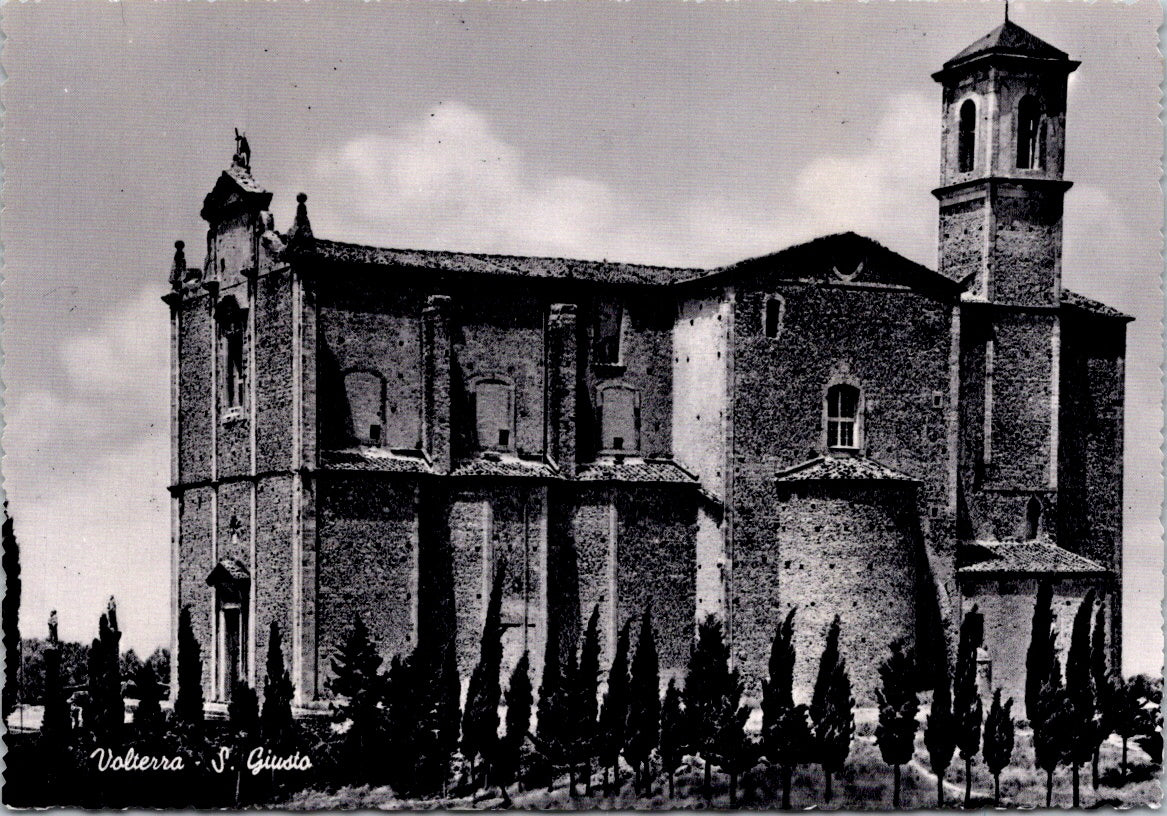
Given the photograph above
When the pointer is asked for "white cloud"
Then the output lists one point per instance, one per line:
(450, 182)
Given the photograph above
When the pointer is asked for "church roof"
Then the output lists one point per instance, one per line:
(510, 466)
(1008, 38)
(841, 469)
(374, 460)
(1024, 558)
(640, 470)
(505, 265)
(1093, 306)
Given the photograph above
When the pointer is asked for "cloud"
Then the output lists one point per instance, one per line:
(449, 181)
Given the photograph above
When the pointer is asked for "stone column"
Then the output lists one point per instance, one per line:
(437, 361)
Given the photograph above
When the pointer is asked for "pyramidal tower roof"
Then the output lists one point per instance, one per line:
(1008, 39)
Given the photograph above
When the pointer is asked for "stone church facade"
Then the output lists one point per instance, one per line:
(832, 427)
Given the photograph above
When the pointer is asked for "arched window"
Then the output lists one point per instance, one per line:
(1042, 141)
(1029, 153)
(843, 417)
(494, 414)
(967, 136)
(619, 418)
(232, 321)
(1032, 518)
(775, 311)
(365, 393)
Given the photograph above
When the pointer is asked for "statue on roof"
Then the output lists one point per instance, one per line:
(242, 150)
(53, 638)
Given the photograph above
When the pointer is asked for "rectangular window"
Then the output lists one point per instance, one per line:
(609, 331)
(619, 419)
(842, 416)
(494, 414)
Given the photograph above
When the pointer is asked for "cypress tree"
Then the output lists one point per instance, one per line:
(674, 732)
(1126, 715)
(895, 734)
(357, 679)
(832, 710)
(56, 724)
(518, 722)
(11, 614)
(1081, 706)
(706, 689)
(566, 739)
(447, 711)
(243, 714)
(107, 708)
(275, 719)
(1104, 686)
(480, 719)
(614, 713)
(148, 714)
(188, 703)
(643, 733)
(1050, 725)
(998, 748)
(733, 751)
(786, 736)
(585, 710)
(940, 731)
(549, 734)
(402, 723)
(1038, 659)
(967, 710)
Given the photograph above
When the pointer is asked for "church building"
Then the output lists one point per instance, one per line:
(831, 427)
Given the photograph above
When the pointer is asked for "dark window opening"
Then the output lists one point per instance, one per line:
(1032, 519)
(1029, 156)
(233, 352)
(375, 434)
(967, 137)
(504, 438)
(609, 330)
(775, 310)
(842, 416)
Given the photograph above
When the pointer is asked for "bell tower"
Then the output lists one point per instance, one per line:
(1002, 151)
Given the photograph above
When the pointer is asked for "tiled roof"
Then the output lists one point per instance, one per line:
(228, 569)
(376, 460)
(639, 470)
(505, 466)
(511, 265)
(1024, 557)
(1093, 306)
(841, 468)
(1008, 38)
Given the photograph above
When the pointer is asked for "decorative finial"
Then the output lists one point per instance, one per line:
(300, 235)
(178, 270)
(1006, 10)
(242, 156)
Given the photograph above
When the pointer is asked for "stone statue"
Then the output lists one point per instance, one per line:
(242, 150)
(111, 614)
(53, 639)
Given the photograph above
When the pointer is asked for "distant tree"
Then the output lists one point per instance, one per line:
(1105, 686)
(733, 750)
(1081, 703)
(1126, 718)
(480, 719)
(1039, 657)
(585, 708)
(643, 735)
(832, 710)
(275, 719)
(674, 732)
(786, 736)
(188, 705)
(707, 682)
(1050, 728)
(159, 661)
(998, 742)
(940, 731)
(1136, 715)
(56, 724)
(128, 665)
(895, 733)
(967, 709)
(148, 714)
(11, 614)
(518, 723)
(358, 681)
(614, 713)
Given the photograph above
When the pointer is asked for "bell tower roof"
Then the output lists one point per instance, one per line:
(1008, 40)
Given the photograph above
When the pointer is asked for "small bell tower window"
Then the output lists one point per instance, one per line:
(1031, 131)
(967, 136)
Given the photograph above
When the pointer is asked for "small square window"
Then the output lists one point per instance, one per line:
(504, 438)
(934, 511)
(617, 443)
(937, 399)
(375, 434)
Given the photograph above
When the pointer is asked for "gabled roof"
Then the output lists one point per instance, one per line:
(508, 265)
(1008, 38)
(841, 469)
(844, 257)
(639, 470)
(235, 187)
(228, 570)
(372, 460)
(1092, 306)
(1024, 558)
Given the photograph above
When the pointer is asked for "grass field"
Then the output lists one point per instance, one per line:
(866, 784)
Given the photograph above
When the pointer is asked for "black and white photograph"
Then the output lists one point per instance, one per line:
(582, 405)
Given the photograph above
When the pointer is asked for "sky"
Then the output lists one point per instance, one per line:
(673, 133)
